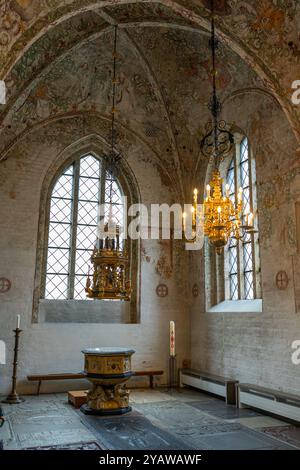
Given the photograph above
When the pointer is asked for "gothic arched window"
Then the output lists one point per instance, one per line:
(234, 275)
(73, 218)
(242, 257)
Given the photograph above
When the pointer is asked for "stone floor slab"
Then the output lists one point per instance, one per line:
(243, 439)
(148, 396)
(175, 414)
(132, 432)
(219, 409)
(258, 422)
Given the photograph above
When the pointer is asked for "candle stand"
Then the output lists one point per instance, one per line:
(172, 372)
(13, 398)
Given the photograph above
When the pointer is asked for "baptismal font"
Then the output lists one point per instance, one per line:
(107, 369)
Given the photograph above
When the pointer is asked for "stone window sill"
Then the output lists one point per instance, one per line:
(83, 311)
(237, 306)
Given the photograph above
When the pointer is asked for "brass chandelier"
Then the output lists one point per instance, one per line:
(223, 216)
(110, 261)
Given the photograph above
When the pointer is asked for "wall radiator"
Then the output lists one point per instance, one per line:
(272, 401)
(217, 385)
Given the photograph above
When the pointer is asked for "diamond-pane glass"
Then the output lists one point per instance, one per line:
(248, 282)
(90, 167)
(82, 263)
(245, 177)
(56, 287)
(63, 187)
(60, 210)
(233, 260)
(244, 150)
(87, 213)
(69, 171)
(58, 261)
(79, 288)
(59, 235)
(89, 189)
(247, 257)
(230, 181)
(86, 237)
(234, 287)
(246, 201)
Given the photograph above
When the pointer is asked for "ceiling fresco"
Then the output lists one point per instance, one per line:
(56, 59)
(265, 33)
(163, 93)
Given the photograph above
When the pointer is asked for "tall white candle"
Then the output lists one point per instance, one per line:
(250, 219)
(172, 338)
(18, 321)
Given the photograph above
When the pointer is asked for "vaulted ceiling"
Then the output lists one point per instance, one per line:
(56, 61)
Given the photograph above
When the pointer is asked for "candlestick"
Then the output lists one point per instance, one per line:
(208, 191)
(18, 321)
(172, 358)
(172, 338)
(13, 398)
(250, 219)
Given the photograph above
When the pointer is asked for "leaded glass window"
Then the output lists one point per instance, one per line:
(242, 256)
(73, 219)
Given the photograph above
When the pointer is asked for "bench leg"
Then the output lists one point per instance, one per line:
(39, 387)
(151, 378)
(230, 393)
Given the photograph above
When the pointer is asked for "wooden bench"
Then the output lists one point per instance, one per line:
(81, 375)
(216, 384)
(273, 401)
(150, 373)
(41, 377)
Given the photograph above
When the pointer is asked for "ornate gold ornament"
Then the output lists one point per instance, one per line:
(222, 218)
(110, 279)
(107, 369)
(110, 264)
